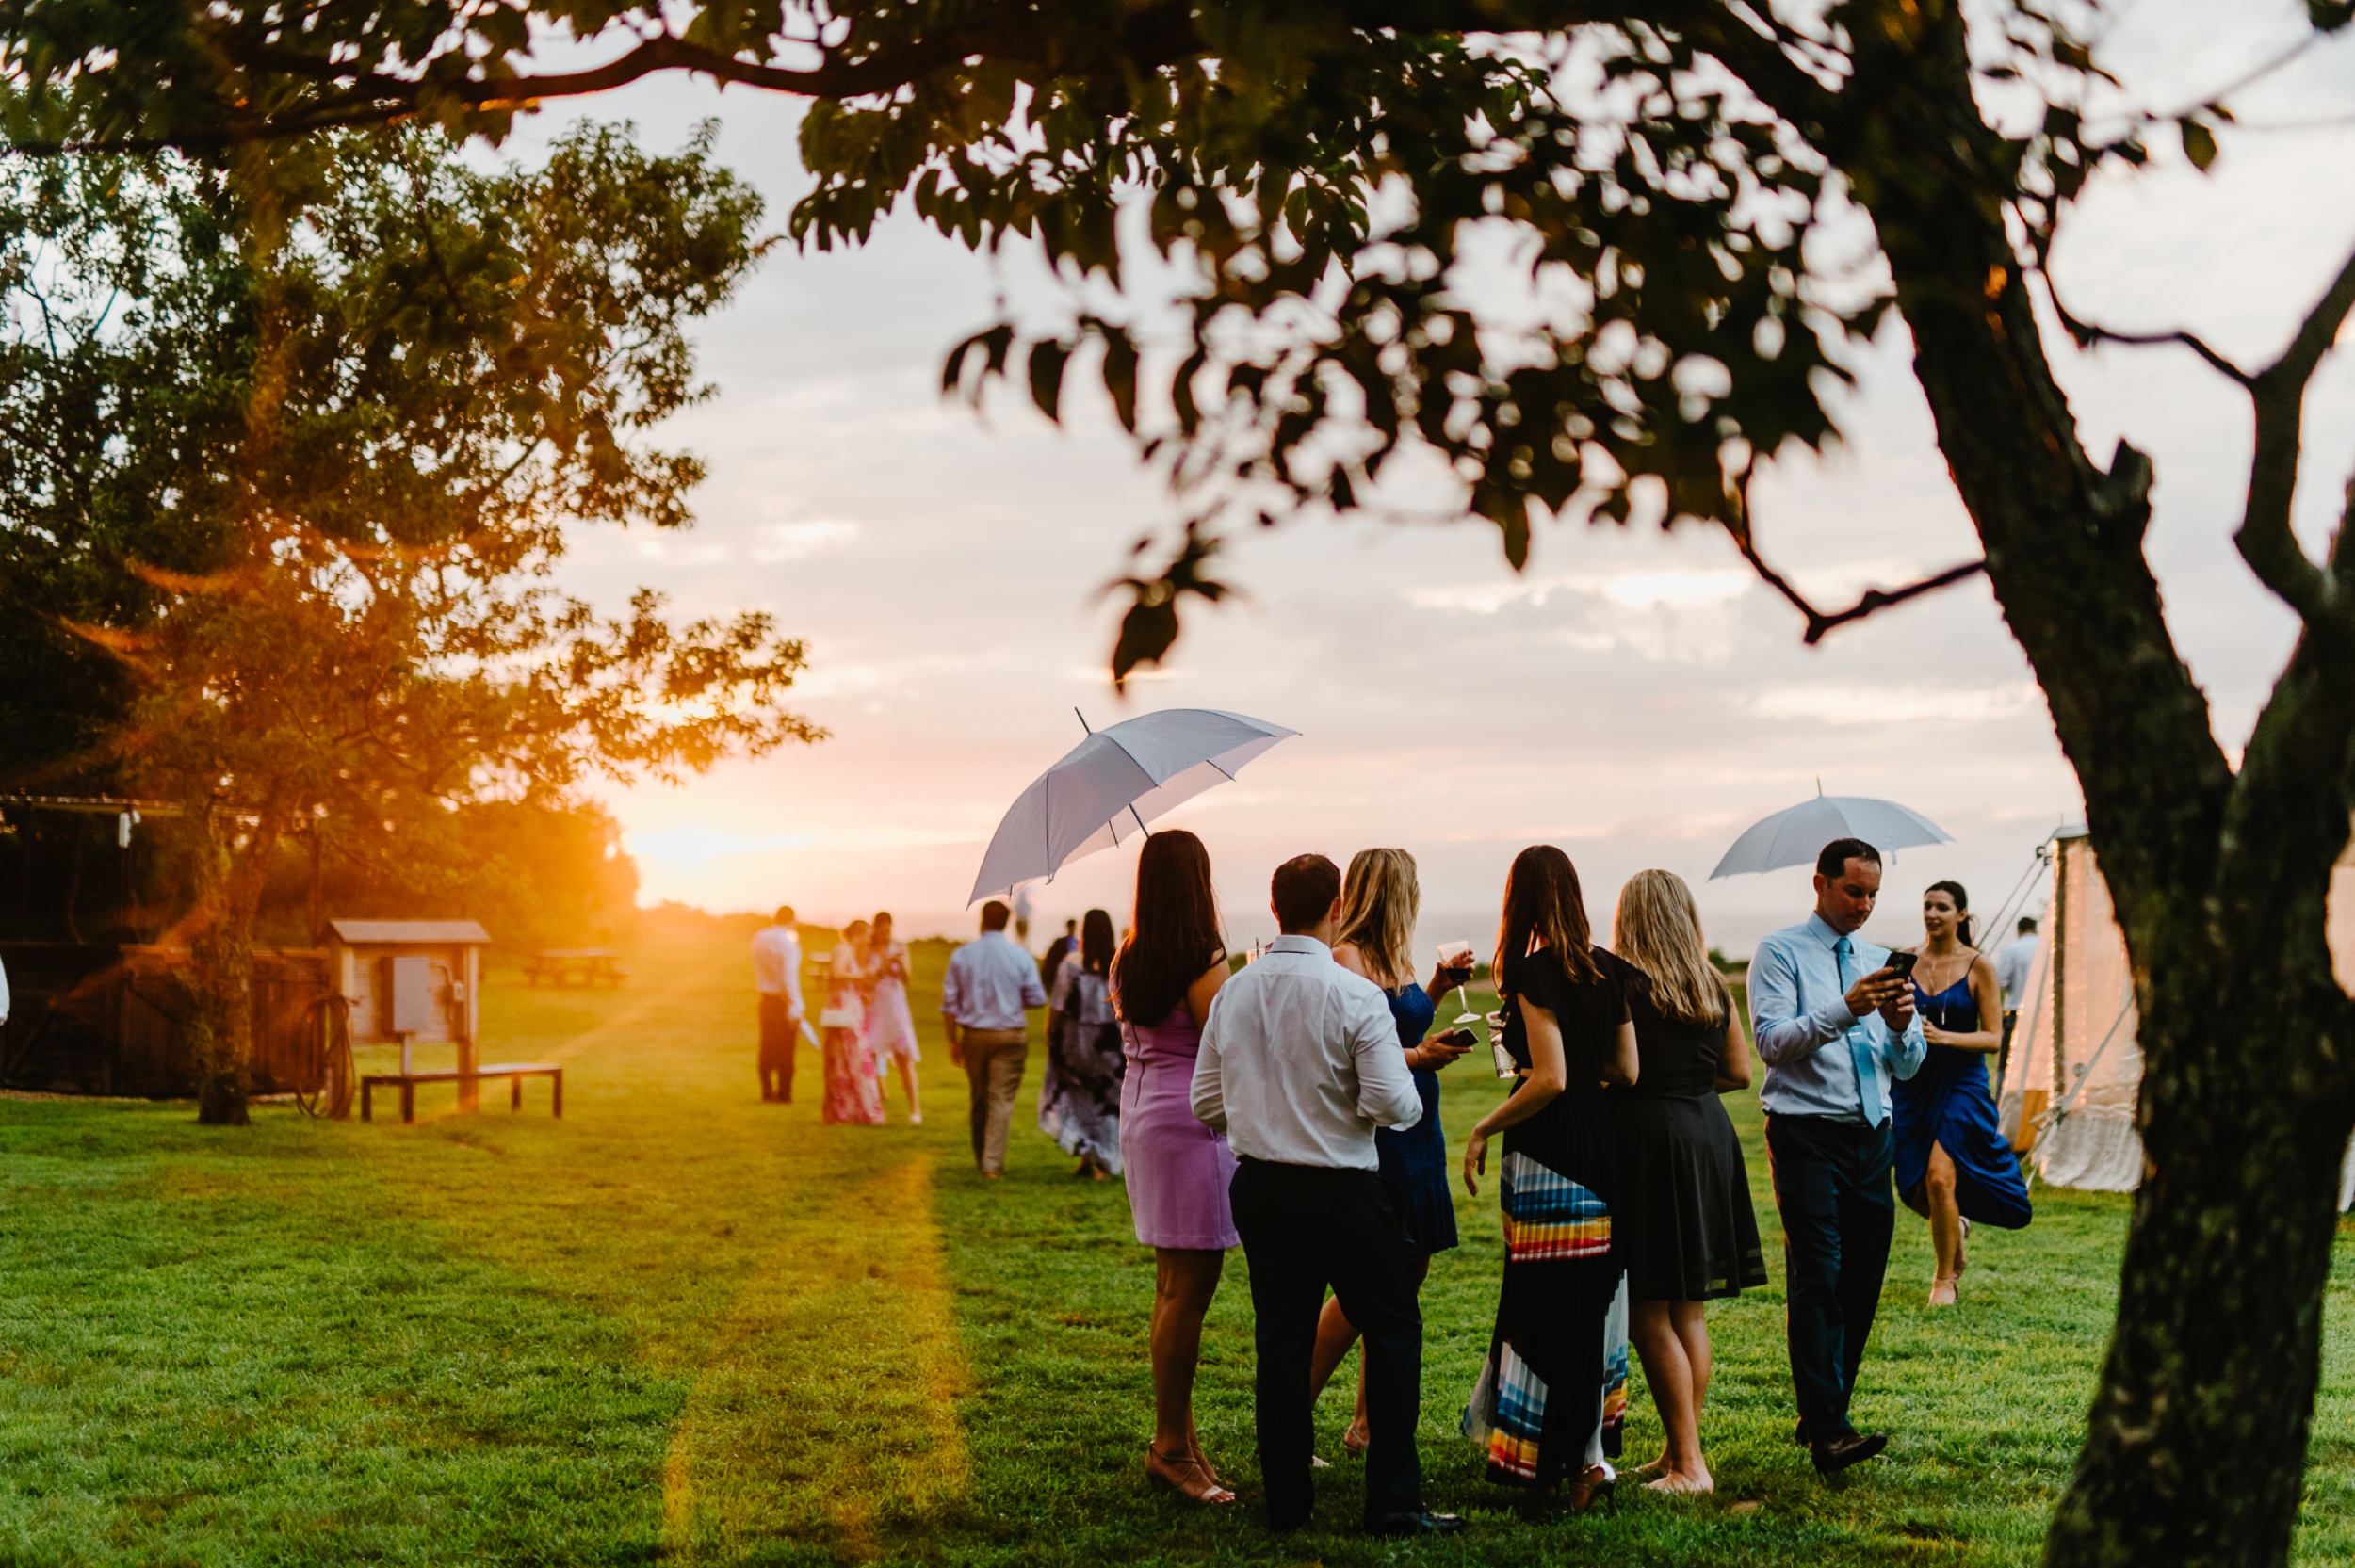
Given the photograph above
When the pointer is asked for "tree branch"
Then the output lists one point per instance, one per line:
(2087, 334)
(2265, 539)
(1873, 600)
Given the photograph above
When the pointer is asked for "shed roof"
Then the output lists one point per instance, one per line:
(357, 933)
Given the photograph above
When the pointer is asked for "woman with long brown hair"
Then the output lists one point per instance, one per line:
(1380, 899)
(1683, 1217)
(1539, 1405)
(1177, 1170)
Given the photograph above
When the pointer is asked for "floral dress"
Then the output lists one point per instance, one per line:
(1078, 1100)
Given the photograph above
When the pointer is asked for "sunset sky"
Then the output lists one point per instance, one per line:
(1636, 700)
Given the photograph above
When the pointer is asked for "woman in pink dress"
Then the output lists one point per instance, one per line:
(890, 1028)
(1177, 1170)
(852, 1094)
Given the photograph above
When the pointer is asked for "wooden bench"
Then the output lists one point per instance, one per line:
(558, 965)
(513, 1072)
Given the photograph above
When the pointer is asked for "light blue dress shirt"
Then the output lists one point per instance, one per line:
(989, 982)
(1821, 1059)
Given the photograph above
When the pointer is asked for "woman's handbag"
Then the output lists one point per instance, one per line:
(837, 1018)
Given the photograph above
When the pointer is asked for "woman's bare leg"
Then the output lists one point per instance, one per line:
(1336, 1334)
(1670, 1373)
(907, 1081)
(1184, 1280)
(1938, 1192)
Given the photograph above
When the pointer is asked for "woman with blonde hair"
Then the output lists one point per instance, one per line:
(1380, 898)
(1685, 1226)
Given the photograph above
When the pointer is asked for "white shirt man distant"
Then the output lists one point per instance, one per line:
(2013, 966)
(777, 976)
(986, 1000)
(1299, 1063)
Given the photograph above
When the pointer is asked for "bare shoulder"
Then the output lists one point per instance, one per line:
(1349, 958)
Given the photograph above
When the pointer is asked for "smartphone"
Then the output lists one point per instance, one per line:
(1901, 964)
(1454, 1038)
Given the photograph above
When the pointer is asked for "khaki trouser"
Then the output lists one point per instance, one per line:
(993, 1069)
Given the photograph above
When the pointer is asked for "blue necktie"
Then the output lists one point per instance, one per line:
(1868, 1089)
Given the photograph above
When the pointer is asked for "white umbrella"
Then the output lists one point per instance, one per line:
(1796, 837)
(1129, 773)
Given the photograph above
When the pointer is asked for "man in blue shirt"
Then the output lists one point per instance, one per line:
(1834, 1027)
(984, 1000)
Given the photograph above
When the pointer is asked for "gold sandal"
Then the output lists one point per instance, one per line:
(1188, 1477)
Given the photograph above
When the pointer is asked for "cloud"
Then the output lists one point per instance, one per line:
(783, 542)
(1905, 704)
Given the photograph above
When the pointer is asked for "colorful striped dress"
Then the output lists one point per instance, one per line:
(1551, 1395)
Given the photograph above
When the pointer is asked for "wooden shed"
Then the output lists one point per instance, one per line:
(412, 982)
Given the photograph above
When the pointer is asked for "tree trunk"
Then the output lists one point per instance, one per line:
(220, 988)
(2195, 1452)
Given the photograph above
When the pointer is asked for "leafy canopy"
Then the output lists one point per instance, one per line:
(288, 462)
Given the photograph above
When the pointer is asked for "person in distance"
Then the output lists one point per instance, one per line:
(1300, 1062)
(1683, 1221)
(1835, 1025)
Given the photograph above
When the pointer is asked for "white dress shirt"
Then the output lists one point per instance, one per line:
(1300, 1062)
(989, 983)
(777, 965)
(2013, 966)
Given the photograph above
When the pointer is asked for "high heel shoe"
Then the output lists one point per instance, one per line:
(1354, 1441)
(1598, 1488)
(1186, 1476)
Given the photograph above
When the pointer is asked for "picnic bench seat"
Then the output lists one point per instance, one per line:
(558, 965)
(513, 1072)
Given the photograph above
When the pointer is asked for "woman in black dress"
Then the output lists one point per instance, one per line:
(1539, 1405)
(1686, 1228)
(1380, 901)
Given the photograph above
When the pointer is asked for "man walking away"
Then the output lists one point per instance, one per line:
(1299, 1063)
(2013, 966)
(1834, 1026)
(984, 997)
(777, 976)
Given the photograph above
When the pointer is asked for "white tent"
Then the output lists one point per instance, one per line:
(2069, 1095)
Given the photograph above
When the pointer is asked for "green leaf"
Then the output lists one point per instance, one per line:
(1048, 359)
(2199, 143)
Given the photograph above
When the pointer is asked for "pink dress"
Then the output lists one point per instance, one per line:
(851, 1093)
(1177, 1169)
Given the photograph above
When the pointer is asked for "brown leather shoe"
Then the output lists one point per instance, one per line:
(1836, 1455)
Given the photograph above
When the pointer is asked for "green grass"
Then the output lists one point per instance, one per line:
(685, 1325)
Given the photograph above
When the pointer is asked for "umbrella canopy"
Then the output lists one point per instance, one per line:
(1129, 774)
(1796, 837)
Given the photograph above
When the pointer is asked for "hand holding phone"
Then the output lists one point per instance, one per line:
(1440, 1050)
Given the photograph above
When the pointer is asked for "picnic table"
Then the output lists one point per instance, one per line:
(513, 1072)
(558, 965)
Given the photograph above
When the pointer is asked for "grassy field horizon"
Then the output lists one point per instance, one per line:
(682, 1325)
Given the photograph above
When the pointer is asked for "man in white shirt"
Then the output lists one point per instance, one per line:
(1299, 1063)
(986, 1000)
(777, 976)
(2013, 966)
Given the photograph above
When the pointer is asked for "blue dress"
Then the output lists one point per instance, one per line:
(1947, 1103)
(1414, 1161)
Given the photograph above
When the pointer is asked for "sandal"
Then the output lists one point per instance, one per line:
(1355, 1440)
(1187, 1475)
(1598, 1488)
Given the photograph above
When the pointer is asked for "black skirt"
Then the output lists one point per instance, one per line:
(1682, 1216)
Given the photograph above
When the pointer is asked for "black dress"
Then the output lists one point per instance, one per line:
(1540, 1398)
(1685, 1226)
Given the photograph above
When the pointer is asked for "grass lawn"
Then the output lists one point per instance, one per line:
(684, 1325)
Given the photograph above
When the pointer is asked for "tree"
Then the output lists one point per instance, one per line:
(289, 451)
(1316, 172)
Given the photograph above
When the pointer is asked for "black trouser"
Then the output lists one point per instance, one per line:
(777, 1038)
(1832, 1187)
(1304, 1227)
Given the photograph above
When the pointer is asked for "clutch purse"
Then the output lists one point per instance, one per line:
(838, 1018)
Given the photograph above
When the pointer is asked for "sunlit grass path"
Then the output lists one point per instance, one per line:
(685, 1326)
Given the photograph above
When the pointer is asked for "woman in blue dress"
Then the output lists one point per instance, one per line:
(1954, 1166)
(1379, 902)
